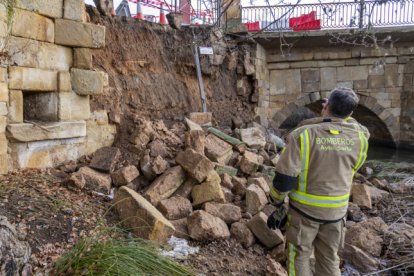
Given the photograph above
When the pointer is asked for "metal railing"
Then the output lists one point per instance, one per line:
(341, 15)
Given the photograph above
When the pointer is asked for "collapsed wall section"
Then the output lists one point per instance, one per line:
(47, 80)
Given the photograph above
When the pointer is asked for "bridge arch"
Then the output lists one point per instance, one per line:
(382, 124)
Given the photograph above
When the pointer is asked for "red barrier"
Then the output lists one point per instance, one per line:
(305, 22)
(252, 26)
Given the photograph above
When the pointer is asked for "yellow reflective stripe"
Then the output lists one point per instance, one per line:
(304, 153)
(348, 118)
(362, 151)
(291, 260)
(334, 131)
(275, 194)
(319, 201)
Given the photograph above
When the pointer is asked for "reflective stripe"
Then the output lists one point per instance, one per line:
(334, 131)
(348, 118)
(304, 153)
(276, 195)
(292, 255)
(362, 151)
(319, 201)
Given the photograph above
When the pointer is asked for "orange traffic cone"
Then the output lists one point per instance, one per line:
(163, 20)
(139, 15)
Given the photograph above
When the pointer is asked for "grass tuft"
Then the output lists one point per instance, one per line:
(117, 256)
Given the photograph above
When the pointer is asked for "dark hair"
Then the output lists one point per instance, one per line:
(342, 102)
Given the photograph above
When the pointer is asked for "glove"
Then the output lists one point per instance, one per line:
(278, 219)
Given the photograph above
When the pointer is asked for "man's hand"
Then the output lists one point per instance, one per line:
(278, 218)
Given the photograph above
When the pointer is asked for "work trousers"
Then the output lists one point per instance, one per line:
(303, 235)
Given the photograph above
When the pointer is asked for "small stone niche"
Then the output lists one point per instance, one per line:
(40, 107)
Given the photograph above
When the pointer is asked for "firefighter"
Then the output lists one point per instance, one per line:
(315, 170)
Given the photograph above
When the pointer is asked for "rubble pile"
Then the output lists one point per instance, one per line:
(204, 184)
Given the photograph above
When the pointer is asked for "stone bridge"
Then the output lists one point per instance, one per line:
(289, 80)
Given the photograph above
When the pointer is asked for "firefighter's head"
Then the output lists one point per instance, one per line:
(341, 103)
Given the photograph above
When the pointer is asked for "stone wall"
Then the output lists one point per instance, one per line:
(47, 80)
(305, 75)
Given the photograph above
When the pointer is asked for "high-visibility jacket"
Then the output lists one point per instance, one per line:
(321, 157)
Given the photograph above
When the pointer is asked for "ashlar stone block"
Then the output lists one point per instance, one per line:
(87, 82)
(83, 58)
(4, 92)
(50, 8)
(32, 25)
(74, 10)
(78, 34)
(352, 73)
(16, 106)
(73, 107)
(32, 79)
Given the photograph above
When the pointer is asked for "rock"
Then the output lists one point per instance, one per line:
(268, 237)
(124, 175)
(253, 137)
(185, 189)
(381, 184)
(146, 167)
(159, 165)
(210, 190)
(201, 118)
(278, 253)
(366, 235)
(405, 186)
(366, 171)
(82, 58)
(158, 148)
(274, 268)
(226, 181)
(14, 251)
(175, 207)
(228, 195)
(83, 35)
(195, 139)
(361, 196)
(140, 217)
(377, 194)
(105, 159)
(236, 122)
(223, 169)
(250, 162)
(359, 259)
(355, 213)
(229, 213)
(181, 228)
(360, 177)
(259, 181)
(242, 234)
(165, 185)
(401, 233)
(239, 186)
(195, 164)
(255, 199)
(96, 181)
(75, 181)
(269, 209)
(204, 227)
(191, 125)
(217, 150)
(274, 159)
(87, 82)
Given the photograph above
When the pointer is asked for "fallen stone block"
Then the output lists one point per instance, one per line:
(377, 194)
(78, 34)
(367, 235)
(105, 159)
(196, 165)
(195, 139)
(239, 186)
(253, 137)
(226, 181)
(359, 259)
(185, 189)
(255, 199)
(165, 185)
(242, 234)
(259, 181)
(217, 150)
(274, 268)
(250, 162)
(361, 196)
(223, 169)
(191, 125)
(201, 118)
(210, 190)
(96, 181)
(140, 217)
(181, 228)
(204, 227)
(75, 181)
(229, 213)
(86, 82)
(158, 148)
(355, 213)
(278, 253)
(405, 186)
(124, 175)
(268, 237)
(380, 184)
(159, 165)
(268, 209)
(174, 208)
